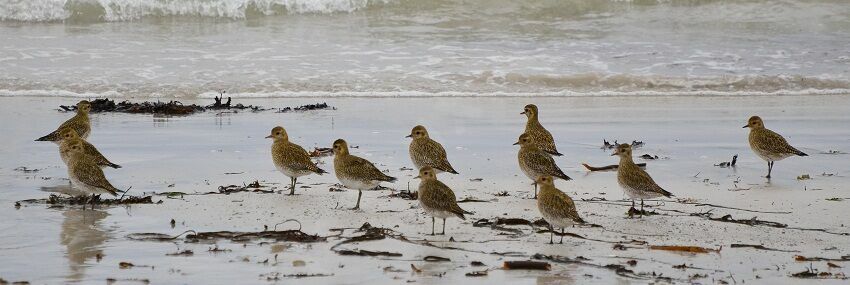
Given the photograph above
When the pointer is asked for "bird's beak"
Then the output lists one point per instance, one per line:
(269, 136)
(523, 113)
(516, 143)
(747, 126)
(418, 177)
(409, 136)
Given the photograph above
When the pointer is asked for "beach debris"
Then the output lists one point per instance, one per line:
(287, 235)
(631, 262)
(472, 200)
(477, 273)
(405, 194)
(432, 258)
(804, 177)
(811, 273)
(608, 145)
(251, 187)
(526, 265)
(726, 164)
(833, 265)
(476, 179)
(803, 258)
(758, 246)
(128, 265)
(415, 270)
(308, 107)
(277, 276)
(633, 211)
(754, 221)
(57, 200)
(649, 156)
(181, 253)
(502, 194)
(477, 263)
(299, 263)
(832, 151)
(177, 108)
(321, 152)
(24, 169)
(835, 199)
(607, 167)
(680, 248)
(405, 168)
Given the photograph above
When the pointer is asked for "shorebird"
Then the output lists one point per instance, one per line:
(539, 135)
(437, 199)
(355, 172)
(427, 152)
(556, 207)
(769, 145)
(85, 174)
(291, 159)
(79, 123)
(535, 162)
(69, 137)
(635, 181)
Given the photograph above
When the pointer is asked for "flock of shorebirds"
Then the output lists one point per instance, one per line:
(535, 158)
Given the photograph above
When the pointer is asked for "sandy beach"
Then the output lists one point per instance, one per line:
(196, 154)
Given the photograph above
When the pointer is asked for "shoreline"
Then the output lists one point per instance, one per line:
(689, 134)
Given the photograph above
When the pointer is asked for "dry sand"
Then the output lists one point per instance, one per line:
(191, 154)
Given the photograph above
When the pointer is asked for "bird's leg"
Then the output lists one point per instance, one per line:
(433, 221)
(562, 236)
(631, 211)
(444, 227)
(769, 168)
(551, 234)
(359, 194)
(535, 190)
(292, 186)
(641, 208)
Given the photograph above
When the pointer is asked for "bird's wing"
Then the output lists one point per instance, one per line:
(299, 159)
(442, 197)
(436, 156)
(541, 162)
(640, 180)
(368, 170)
(98, 157)
(565, 207)
(772, 142)
(90, 174)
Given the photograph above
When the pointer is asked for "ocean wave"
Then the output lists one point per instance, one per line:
(484, 85)
(125, 10)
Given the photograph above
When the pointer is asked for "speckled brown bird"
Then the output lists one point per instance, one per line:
(355, 172)
(557, 208)
(769, 145)
(291, 159)
(535, 162)
(85, 174)
(79, 123)
(541, 137)
(636, 183)
(427, 152)
(437, 199)
(69, 136)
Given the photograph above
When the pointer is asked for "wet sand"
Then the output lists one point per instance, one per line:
(690, 134)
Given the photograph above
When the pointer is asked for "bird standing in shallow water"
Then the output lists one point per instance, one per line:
(541, 137)
(69, 137)
(557, 208)
(291, 159)
(355, 172)
(535, 162)
(85, 174)
(769, 145)
(437, 199)
(79, 123)
(427, 152)
(635, 181)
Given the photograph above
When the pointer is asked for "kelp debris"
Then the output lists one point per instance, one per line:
(679, 248)
(476, 273)
(526, 265)
(608, 145)
(607, 167)
(161, 108)
(252, 187)
(726, 164)
(321, 152)
(308, 107)
(803, 258)
(57, 200)
(287, 235)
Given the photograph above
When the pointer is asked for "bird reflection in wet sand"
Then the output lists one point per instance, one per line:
(83, 239)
